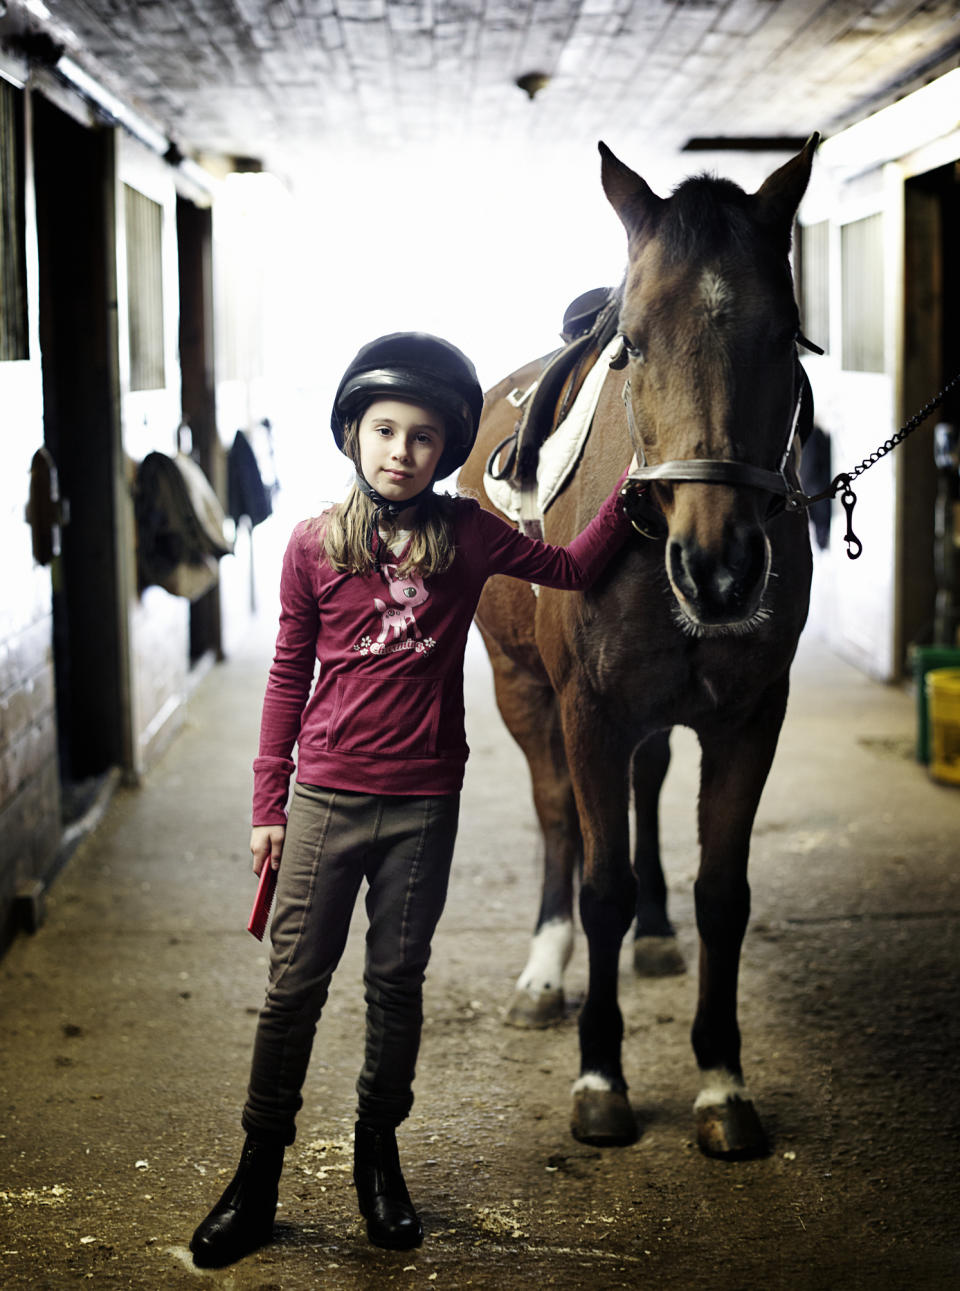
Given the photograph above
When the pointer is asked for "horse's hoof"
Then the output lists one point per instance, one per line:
(731, 1130)
(534, 1012)
(657, 957)
(602, 1117)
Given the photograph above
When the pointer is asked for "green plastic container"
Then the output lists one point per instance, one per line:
(925, 659)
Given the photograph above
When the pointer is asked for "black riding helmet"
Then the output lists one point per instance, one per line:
(423, 369)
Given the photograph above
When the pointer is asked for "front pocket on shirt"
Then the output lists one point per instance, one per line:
(391, 718)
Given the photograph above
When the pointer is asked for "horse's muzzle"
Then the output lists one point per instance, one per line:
(720, 588)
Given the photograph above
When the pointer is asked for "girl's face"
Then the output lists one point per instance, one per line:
(400, 445)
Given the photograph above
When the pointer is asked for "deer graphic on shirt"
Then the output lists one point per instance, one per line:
(398, 621)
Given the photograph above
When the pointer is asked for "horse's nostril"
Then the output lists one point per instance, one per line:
(691, 570)
(678, 569)
(746, 556)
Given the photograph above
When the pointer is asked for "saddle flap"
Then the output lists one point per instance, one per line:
(557, 458)
(560, 382)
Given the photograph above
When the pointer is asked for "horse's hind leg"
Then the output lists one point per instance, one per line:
(655, 952)
(734, 769)
(529, 710)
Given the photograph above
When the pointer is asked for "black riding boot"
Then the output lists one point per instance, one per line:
(242, 1219)
(384, 1201)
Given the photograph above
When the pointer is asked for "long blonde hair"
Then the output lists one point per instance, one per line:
(347, 525)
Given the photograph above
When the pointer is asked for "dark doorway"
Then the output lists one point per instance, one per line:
(931, 355)
(198, 391)
(74, 171)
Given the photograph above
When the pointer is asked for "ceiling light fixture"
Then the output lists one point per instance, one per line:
(114, 109)
(110, 105)
(532, 83)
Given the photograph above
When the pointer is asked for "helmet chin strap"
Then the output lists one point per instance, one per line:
(384, 507)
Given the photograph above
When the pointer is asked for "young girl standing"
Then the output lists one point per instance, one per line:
(381, 589)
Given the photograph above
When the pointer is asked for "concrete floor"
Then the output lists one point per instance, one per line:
(127, 1023)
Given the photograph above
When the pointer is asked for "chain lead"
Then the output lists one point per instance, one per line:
(917, 419)
(840, 485)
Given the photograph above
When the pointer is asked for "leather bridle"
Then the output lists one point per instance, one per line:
(707, 470)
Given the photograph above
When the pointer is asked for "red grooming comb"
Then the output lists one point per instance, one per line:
(264, 899)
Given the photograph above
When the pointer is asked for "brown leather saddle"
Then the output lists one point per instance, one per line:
(589, 324)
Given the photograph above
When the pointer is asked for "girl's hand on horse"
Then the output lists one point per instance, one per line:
(266, 844)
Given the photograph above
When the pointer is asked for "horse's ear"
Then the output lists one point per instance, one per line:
(780, 194)
(630, 196)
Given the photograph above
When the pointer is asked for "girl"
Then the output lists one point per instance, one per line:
(381, 589)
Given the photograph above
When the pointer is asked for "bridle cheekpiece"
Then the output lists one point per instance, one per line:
(707, 470)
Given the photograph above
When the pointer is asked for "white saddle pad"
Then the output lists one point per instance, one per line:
(561, 452)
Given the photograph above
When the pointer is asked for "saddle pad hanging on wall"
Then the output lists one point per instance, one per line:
(180, 522)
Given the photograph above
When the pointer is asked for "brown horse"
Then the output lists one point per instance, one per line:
(696, 627)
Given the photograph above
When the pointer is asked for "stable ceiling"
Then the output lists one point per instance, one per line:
(286, 80)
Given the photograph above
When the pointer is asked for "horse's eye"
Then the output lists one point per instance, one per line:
(635, 352)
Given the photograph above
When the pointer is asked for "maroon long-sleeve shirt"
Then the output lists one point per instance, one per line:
(386, 713)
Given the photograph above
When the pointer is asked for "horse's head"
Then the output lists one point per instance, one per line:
(710, 323)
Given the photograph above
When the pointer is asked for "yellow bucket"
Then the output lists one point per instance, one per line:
(943, 696)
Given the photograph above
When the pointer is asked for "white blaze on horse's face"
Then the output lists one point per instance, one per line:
(714, 293)
(710, 319)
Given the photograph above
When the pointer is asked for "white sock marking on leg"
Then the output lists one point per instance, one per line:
(592, 1080)
(550, 953)
(719, 1085)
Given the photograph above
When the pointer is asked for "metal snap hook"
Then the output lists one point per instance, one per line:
(848, 500)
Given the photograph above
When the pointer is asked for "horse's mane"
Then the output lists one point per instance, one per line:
(706, 216)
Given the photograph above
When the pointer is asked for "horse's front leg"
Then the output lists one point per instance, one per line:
(598, 761)
(734, 769)
(655, 952)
